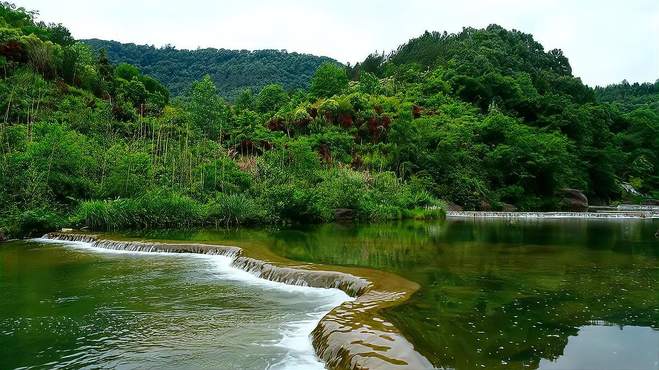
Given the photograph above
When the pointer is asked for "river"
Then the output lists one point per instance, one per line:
(495, 294)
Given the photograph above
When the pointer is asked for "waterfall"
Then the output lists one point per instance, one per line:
(351, 285)
(351, 336)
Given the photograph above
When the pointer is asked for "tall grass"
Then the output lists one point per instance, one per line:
(153, 209)
(235, 209)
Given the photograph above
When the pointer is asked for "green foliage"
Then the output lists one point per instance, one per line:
(126, 71)
(368, 83)
(152, 209)
(235, 209)
(329, 80)
(232, 71)
(223, 175)
(35, 222)
(207, 110)
(482, 118)
(271, 98)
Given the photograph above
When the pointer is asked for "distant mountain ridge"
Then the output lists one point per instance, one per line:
(232, 70)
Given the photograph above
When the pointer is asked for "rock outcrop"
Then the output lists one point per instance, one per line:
(506, 207)
(573, 201)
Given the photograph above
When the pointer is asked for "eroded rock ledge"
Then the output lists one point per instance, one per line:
(352, 336)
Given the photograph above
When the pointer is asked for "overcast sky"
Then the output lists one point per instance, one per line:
(606, 40)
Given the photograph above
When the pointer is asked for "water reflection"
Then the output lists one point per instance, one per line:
(602, 347)
(501, 295)
(496, 294)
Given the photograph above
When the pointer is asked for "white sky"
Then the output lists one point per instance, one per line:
(606, 40)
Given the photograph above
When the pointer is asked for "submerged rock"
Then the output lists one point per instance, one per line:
(574, 201)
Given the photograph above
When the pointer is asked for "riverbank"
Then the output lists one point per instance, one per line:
(351, 336)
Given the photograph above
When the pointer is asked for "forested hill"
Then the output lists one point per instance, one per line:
(231, 70)
(630, 96)
(484, 118)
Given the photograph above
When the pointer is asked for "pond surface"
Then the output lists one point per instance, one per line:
(562, 294)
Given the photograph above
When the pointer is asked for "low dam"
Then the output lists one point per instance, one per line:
(554, 215)
(351, 336)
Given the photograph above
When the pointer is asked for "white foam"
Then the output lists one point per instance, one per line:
(295, 334)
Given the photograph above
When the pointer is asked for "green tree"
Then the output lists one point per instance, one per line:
(329, 80)
(271, 98)
(208, 112)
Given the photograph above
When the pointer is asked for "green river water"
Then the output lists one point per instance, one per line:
(564, 294)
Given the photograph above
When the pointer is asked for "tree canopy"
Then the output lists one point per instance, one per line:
(232, 70)
(485, 119)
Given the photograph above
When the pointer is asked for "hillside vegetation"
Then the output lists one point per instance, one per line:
(232, 71)
(484, 118)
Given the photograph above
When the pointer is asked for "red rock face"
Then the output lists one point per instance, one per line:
(250, 147)
(247, 146)
(373, 126)
(377, 126)
(265, 145)
(329, 117)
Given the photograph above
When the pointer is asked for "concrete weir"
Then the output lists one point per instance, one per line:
(352, 336)
(553, 215)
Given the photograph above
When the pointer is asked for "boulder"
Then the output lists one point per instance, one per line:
(3, 237)
(485, 206)
(505, 207)
(344, 214)
(450, 206)
(573, 200)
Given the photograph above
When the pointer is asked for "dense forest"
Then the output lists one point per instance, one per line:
(629, 97)
(485, 119)
(231, 70)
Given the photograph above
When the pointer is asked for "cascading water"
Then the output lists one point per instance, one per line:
(350, 284)
(295, 336)
(346, 334)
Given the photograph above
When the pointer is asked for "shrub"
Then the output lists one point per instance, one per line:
(35, 222)
(153, 209)
(235, 209)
